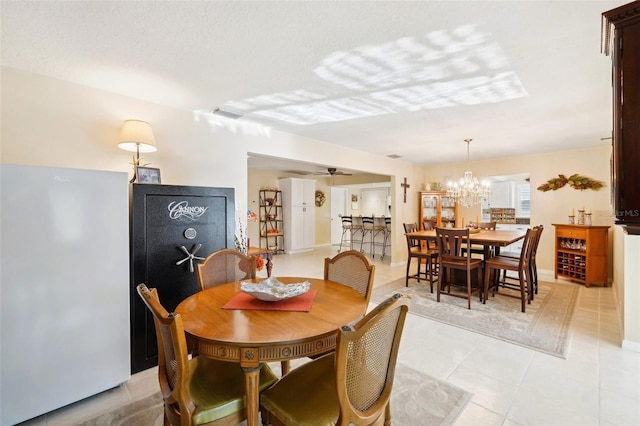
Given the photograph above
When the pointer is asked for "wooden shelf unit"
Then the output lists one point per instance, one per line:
(271, 220)
(581, 253)
(506, 215)
(438, 207)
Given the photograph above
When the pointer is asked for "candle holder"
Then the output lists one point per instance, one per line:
(580, 217)
(587, 219)
(571, 220)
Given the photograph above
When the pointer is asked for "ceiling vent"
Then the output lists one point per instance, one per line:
(228, 114)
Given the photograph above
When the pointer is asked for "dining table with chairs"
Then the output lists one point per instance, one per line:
(460, 264)
(221, 326)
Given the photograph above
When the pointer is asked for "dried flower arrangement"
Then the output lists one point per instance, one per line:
(575, 181)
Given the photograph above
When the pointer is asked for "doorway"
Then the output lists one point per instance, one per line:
(338, 208)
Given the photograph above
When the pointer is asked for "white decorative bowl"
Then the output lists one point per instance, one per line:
(272, 290)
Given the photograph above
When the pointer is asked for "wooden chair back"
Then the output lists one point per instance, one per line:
(522, 265)
(428, 224)
(223, 266)
(411, 242)
(450, 242)
(454, 255)
(416, 250)
(491, 226)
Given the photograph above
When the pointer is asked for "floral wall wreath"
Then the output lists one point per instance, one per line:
(575, 181)
(320, 198)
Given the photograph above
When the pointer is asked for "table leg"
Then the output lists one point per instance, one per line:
(252, 386)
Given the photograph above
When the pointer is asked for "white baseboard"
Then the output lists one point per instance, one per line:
(632, 346)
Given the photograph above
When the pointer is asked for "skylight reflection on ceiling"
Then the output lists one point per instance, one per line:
(442, 69)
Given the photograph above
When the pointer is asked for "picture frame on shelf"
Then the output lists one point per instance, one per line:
(148, 175)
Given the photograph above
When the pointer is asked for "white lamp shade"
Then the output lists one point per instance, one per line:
(136, 135)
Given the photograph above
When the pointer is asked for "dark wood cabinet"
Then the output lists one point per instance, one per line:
(621, 40)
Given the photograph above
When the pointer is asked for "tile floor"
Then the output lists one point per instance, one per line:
(599, 383)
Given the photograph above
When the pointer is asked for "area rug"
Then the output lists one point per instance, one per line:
(545, 326)
(417, 399)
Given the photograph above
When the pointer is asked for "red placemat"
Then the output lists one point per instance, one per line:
(300, 303)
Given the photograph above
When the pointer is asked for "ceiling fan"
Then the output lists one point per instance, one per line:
(333, 172)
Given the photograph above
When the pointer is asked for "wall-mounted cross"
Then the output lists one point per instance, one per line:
(405, 185)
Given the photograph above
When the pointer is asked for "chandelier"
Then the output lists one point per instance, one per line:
(468, 190)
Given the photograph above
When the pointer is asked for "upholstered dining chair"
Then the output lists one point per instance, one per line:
(223, 266)
(199, 390)
(415, 250)
(521, 265)
(450, 244)
(349, 386)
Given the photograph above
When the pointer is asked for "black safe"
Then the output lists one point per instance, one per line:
(172, 229)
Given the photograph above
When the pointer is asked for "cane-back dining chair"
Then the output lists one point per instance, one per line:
(350, 268)
(428, 256)
(349, 386)
(199, 390)
(520, 265)
(224, 266)
(353, 269)
(450, 244)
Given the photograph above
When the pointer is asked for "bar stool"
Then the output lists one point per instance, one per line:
(356, 231)
(378, 235)
(347, 229)
(367, 230)
(387, 236)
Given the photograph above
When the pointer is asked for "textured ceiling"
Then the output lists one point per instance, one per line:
(390, 77)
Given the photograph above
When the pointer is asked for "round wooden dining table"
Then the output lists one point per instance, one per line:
(252, 337)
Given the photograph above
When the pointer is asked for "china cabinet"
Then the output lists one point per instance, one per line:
(438, 207)
(621, 40)
(582, 253)
(298, 202)
(271, 220)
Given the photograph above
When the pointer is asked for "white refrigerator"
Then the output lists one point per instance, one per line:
(64, 287)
